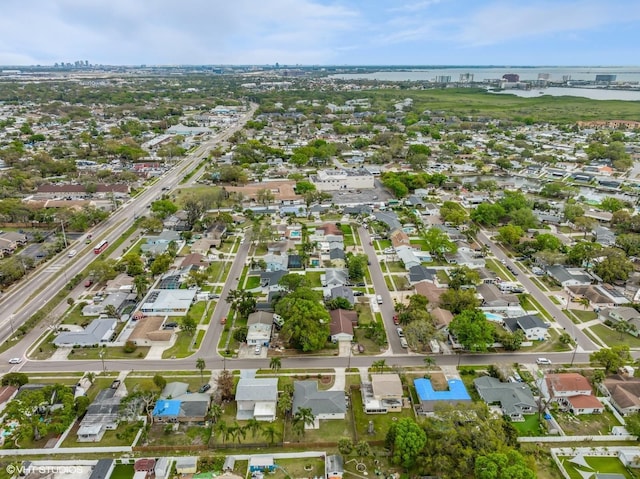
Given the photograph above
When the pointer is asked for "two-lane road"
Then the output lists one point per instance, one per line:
(387, 308)
(584, 343)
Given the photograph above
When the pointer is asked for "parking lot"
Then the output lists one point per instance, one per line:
(377, 194)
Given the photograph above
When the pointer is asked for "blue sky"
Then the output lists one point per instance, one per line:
(337, 32)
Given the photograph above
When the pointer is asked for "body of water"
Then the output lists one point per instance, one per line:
(555, 74)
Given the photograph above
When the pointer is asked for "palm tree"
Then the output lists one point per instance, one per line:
(254, 426)
(285, 402)
(429, 362)
(111, 311)
(584, 302)
(302, 418)
(90, 377)
(236, 431)
(622, 327)
(221, 429)
(275, 364)
(141, 283)
(270, 432)
(379, 365)
(216, 412)
(200, 364)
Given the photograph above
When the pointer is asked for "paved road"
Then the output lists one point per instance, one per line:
(387, 308)
(27, 297)
(584, 343)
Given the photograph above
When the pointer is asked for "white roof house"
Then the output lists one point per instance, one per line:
(169, 302)
(99, 331)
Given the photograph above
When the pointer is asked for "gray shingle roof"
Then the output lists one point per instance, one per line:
(513, 397)
(257, 389)
(306, 394)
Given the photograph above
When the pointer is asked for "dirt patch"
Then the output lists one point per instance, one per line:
(326, 380)
(439, 381)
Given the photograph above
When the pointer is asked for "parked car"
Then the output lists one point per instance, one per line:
(403, 343)
(88, 283)
(223, 320)
(358, 293)
(204, 388)
(361, 284)
(396, 320)
(257, 350)
(543, 361)
(15, 360)
(400, 332)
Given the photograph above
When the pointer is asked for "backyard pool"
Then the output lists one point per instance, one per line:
(494, 317)
(295, 234)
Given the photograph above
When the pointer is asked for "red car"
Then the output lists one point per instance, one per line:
(396, 321)
(223, 320)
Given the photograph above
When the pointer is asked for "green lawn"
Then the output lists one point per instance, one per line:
(383, 244)
(109, 353)
(396, 267)
(181, 348)
(364, 314)
(422, 243)
(530, 427)
(252, 282)
(215, 271)
(197, 310)
(145, 383)
(443, 277)
(552, 344)
(199, 337)
(602, 465)
(123, 471)
(401, 282)
(389, 283)
(314, 278)
(330, 430)
(306, 467)
(75, 316)
(381, 422)
(613, 338)
(583, 315)
(122, 436)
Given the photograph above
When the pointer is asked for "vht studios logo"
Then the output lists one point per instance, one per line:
(23, 470)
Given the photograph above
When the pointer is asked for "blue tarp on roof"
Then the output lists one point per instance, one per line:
(167, 407)
(456, 392)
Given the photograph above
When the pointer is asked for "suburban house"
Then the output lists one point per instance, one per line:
(572, 392)
(515, 399)
(492, 297)
(337, 258)
(334, 466)
(186, 464)
(276, 262)
(216, 232)
(383, 394)
(531, 325)
(270, 278)
(622, 314)
(202, 246)
(259, 328)
(177, 404)
(408, 257)
(149, 330)
(99, 331)
(623, 392)
(341, 325)
(333, 277)
(158, 244)
(168, 302)
(257, 398)
(194, 259)
(600, 295)
(421, 273)
(323, 404)
(442, 317)
(399, 238)
(569, 276)
(456, 394)
(102, 415)
(344, 292)
(177, 222)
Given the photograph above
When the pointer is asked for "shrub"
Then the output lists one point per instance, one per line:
(129, 347)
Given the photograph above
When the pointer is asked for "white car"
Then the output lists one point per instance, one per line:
(15, 360)
(257, 350)
(543, 361)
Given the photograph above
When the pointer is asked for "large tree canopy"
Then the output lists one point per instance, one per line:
(306, 321)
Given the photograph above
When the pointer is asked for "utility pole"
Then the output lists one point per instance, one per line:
(64, 236)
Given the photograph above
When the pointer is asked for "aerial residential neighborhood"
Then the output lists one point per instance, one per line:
(240, 276)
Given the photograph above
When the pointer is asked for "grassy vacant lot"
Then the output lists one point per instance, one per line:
(252, 282)
(109, 353)
(401, 282)
(181, 348)
(612, 338)
(314, 278)
(184, 435)
(586, 424)
(364, 314)
(396, 267)
(123, 471)
(330, 430)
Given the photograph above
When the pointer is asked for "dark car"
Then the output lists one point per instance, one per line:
(204, 388)
(358, 293)
(361, 284)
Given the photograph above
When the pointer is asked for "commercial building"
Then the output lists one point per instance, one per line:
(333, 180)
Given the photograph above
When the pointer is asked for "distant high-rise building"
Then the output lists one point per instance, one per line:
(543, 76)
(605, 78)
(466, 77)
(511, 77)
(566, 78)
(443, 79)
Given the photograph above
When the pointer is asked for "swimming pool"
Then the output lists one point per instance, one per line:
(494, 317)
(295, 234)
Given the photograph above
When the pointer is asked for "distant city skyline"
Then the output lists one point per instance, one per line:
(320, 32)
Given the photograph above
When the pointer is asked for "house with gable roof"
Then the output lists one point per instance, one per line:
(256, 398)
(323, 404)
(515, 399)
